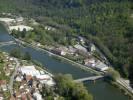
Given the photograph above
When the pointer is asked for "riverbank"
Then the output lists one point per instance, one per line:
(61, 57)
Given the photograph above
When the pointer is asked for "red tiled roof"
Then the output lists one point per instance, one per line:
(28, 77)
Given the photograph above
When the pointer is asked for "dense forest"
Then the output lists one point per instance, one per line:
(107, 23)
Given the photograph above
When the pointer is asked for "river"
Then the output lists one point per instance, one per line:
(101, 90)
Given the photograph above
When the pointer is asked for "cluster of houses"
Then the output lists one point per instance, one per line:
(62, 50)
(10, 65)
(28, 81)
(95, 64)
(85, 51)
(31, 82)
(78, 48)
(8, 68)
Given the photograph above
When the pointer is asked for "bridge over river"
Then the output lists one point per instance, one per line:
(92, 78)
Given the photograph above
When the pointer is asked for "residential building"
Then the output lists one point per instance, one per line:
(37, 96)
(59, 52)
(71, 50)
(1, 97)
(90, 62)
(101, 66)
(80, 48)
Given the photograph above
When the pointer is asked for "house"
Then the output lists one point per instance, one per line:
(7, 72)
(49, 28)
(29, 70)
(59, 52)
(11, 59)
(45, 79)
(18, 95)
(19, 78)
(81, 39)
(1, 97)
(37, 96)
(91, 47)
(38, 44)
(19, 19)
(71, 50)
(10, 66)
(3, 85)
(80, 48)
(90, 62)
(28, 77)
(29, 96)
(24, 97)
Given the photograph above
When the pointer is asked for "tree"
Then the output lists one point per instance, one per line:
(71, 90)
(16, 53)
(131, 72)
(113, 74)
(27, 56)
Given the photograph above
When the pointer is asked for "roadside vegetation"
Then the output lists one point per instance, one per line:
(113, 74)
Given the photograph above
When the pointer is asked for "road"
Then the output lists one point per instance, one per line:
(13, 75)
(125, 84)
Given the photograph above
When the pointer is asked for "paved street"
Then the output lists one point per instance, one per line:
(13, 75)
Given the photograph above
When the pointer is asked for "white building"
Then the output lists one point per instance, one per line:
(43, 78)
(71, 50)
(37, 96)
(101, 66)
(90, 62)
(29, 70)
(92, 47)
(81, 48)
(20, 19)
(81, 39)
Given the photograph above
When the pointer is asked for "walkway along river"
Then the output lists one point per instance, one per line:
(100, 90)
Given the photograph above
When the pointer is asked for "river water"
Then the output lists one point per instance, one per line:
(101, 90)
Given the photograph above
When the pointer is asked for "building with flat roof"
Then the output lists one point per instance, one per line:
(31, 71)
(101, 66)
(80, 48)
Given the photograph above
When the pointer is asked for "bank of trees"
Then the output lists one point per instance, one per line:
(66, 89)
(16, 52)
(70, 90)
